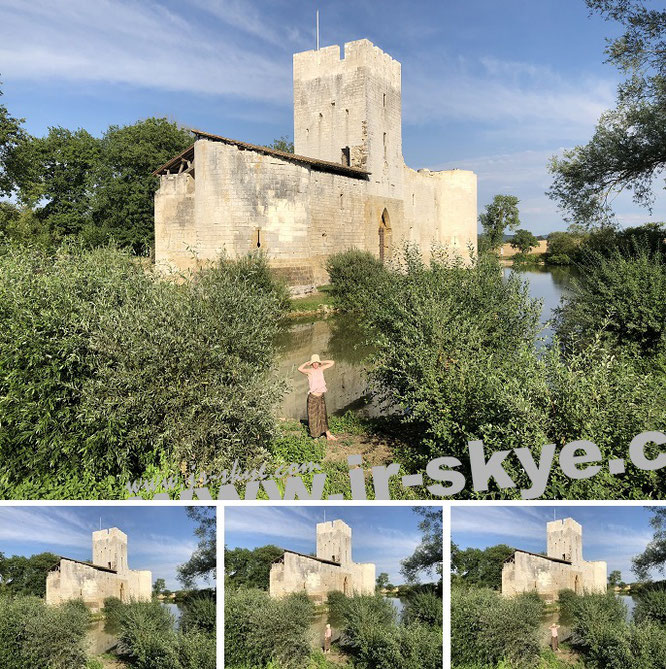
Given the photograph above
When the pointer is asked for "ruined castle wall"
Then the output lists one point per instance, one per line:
(248, 201)
(139, 585)
(297, 573)
(532, 573)
(73, 580)
(364, 578)
(351, 100)
(175, 236)
(595, 576)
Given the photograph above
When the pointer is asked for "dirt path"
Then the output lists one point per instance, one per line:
(374, 450)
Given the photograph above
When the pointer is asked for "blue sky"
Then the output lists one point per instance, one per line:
(159, 538)
(496, 87)
(611, 533)
(380, 534)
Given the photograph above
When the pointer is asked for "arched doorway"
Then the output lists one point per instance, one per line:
(577, 585)
(384, 236)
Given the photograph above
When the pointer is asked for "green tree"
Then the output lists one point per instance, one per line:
(654, 555)
(204, 559)
(284, 143)
(614, 578)
(122, 202)
(159, 587)
(22, 575)
(428, 555)
(500, 215)
(57, 178)
(250, 568)
(524, 241)
(382, 581)
(12, 136)
(628, 148)
(480, 568)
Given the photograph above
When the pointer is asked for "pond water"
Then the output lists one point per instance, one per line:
(565, 625)
(102, 636)
(323, 618)
(338, 337)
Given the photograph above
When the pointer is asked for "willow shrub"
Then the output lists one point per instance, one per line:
(458, 357)
(259, 630)
(651, 605)
(487, 629)
(619, 296)
(35, 635)
(106, 370)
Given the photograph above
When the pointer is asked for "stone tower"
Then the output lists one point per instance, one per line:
(110, 549)
(565, 540)
(334, 541)
(349, 110)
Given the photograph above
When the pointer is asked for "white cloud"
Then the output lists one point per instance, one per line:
(137, 43)
(33, 525)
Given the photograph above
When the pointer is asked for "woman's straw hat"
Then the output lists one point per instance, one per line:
(314, 358)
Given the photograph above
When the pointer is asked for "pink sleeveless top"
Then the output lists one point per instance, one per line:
(316, 381)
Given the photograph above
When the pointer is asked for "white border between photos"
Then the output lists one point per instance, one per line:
(445, 505)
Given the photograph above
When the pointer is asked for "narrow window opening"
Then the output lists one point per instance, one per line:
(384, 146)
(341, 201)
(413, 200)
(384, 99)
(258, 238)
(346, 156)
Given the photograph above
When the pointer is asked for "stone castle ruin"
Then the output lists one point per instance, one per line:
(108, 576)
(563, 568)
(345, 186)
(331, 570)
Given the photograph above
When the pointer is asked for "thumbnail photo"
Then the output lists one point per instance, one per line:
(333, 587)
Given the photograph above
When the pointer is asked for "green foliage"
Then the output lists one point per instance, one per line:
(112, 610)
(202, 564)
(245, 568)
(259, 629)
(370, 634)
(651, 605)
(159, 586)
(35, 635)
(627, 148)
(357, 278)
(614, 578)
(122, 206)
(96, 189)
(487, 628)
(481, 568)
(563, 244)
(500, 215)
(654, 555)
(20, 575)
(199, 614)
(424, 608)
(619, 298)
(524, 241)
(86, 390)
(284, 143)
(12, 137)
(428, 554)
(148, 637)
(457, 358)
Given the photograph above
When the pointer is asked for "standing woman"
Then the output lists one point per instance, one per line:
(317, 418)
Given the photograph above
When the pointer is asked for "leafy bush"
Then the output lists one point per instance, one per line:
(108, 371)
(357, 277)
(486, 628)
(425, 608)
(259, 629)
(35, 635)
(651, 605)
(199, 614)
(197, 650)
(620, 298)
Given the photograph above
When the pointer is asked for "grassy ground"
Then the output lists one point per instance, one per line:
(314, 303)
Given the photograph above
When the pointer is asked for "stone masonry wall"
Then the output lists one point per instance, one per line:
(74, 580)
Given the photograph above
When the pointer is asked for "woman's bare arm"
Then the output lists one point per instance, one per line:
(325, 364)
(303, 368)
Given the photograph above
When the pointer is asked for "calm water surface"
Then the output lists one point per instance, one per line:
(338, 337)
